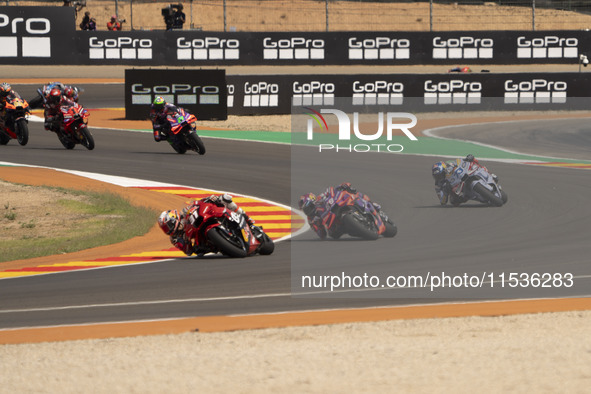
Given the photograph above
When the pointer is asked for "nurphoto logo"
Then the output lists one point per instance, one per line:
(350, 131)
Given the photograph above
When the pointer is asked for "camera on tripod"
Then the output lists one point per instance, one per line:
(169, 14)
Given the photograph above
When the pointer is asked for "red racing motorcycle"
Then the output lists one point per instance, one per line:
(214, 229)
(15, 121)
(350, 213)
(74, 127)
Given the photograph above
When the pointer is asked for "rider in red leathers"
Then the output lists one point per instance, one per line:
(175, 224)
(53, 116)
(315, 207)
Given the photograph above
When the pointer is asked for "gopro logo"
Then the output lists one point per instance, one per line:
(463, 48)
(14, 29)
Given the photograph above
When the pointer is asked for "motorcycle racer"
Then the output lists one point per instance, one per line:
(53, 116)
(315, 207)
(445, 181)
(6, 93)
(159, 112)
(174, 223)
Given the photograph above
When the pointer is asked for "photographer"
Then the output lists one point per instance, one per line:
(88, 23)
(115, 24)
(174, 17)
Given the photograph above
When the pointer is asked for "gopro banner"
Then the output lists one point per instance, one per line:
(36, 35)
(47, 35)
(201, 92)
(275, 94)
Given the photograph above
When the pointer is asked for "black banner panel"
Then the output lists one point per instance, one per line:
(47, 35)
(273, 94)
(37, 35)
(201, 92)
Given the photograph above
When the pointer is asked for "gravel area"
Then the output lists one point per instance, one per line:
(541, 353)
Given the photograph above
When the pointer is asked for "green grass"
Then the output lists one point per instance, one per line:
(101, 219)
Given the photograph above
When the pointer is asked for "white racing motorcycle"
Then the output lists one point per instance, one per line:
(471, 181)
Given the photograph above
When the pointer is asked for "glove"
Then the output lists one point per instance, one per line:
(446, 187)
(495, 178)
(470, 158)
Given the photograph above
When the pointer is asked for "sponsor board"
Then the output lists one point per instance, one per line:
(547, 47)
(30, 35)
(274, 94)
(382, 47)
(298, 48)
(201, 92)
(207, 48)
(462, 47)
(122, 47)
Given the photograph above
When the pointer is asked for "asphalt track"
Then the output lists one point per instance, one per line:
(544, 228)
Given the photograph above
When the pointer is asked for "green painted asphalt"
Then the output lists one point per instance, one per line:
(424, 145)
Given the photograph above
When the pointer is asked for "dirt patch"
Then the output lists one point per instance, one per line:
(153, 240)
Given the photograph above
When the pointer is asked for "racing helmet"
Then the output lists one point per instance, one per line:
(5, 89)
(169, 221)
(307, 204)
(347, 187)
(158, 103)
(55, 96)
(71, 92)
(439, 170)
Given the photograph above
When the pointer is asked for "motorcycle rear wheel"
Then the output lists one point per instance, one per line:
(225, 244)
(357, 228)
(196, 143)
(22, 131)
(4, 139)
(488, 195)
(87, 138)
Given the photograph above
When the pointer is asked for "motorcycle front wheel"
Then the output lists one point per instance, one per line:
(225, 243)
(358, 227)
(87, 138)
(268, 245)
(488, 195)
(391, 230)
(22, 131)
(196, 143)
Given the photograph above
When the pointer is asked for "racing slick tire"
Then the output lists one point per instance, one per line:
(357, 227)
(87, 138)
(267, 247)
(196, 143)
(22, 131)
(391, 230)
(488, 195)
(225, 243)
